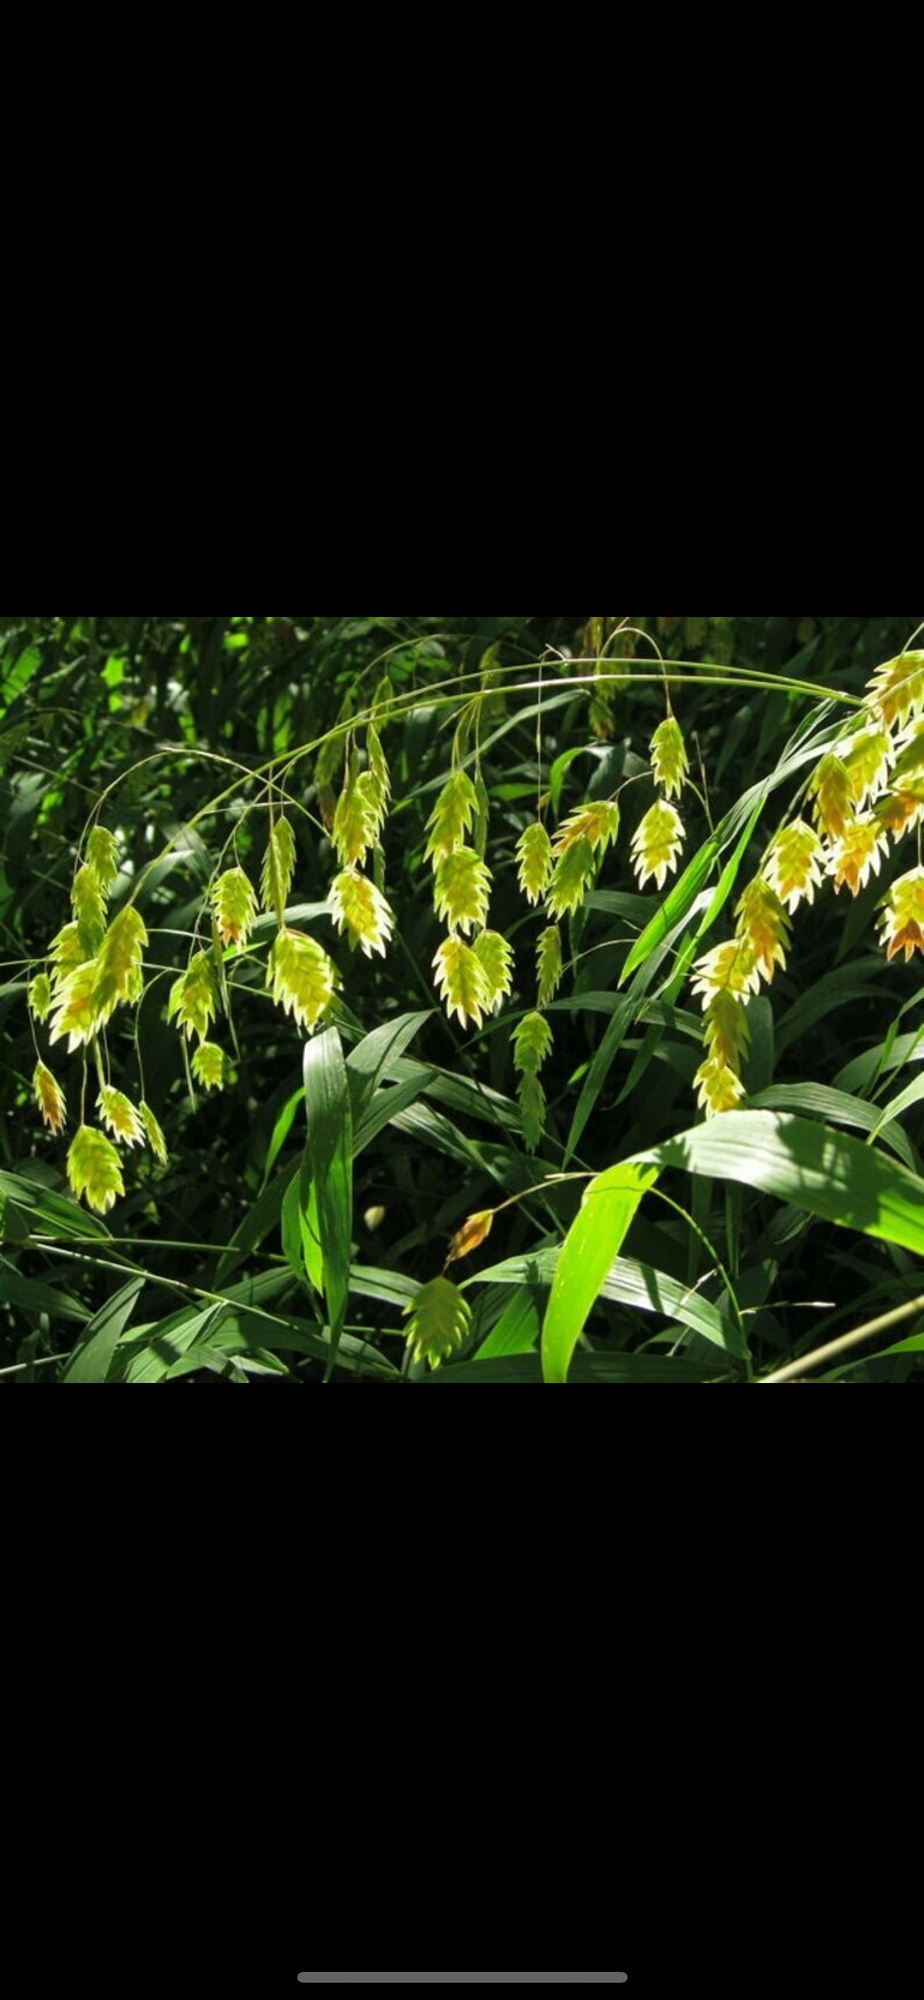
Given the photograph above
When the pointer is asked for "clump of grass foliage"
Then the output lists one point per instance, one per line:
(461, 1000)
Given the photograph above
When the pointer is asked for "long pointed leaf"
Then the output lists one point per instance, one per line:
(591, 1248)
(329, 1156)
(824, 1172)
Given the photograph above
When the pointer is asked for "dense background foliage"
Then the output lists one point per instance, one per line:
(200, 1272)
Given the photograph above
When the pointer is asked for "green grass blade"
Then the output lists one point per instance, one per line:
(673, 910)
(591, 1248)
(837, 1107)
(825, 1173)
(329, 1153)
(903, 1102)
(32, 1296)
(373, 1061)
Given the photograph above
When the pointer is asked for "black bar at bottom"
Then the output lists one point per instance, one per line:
(462, 1978)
